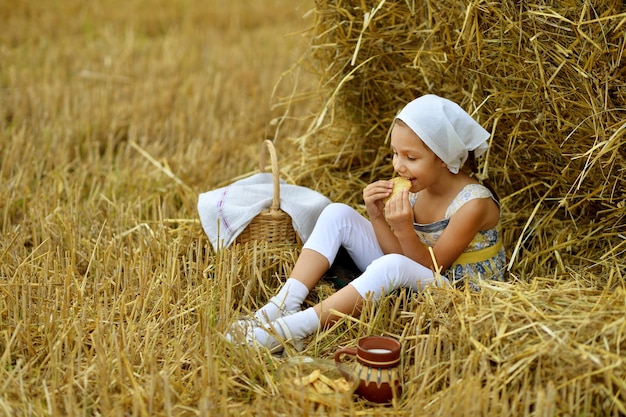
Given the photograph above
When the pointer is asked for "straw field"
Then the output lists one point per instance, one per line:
(115, 115)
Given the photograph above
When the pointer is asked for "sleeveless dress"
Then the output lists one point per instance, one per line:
(484, 257)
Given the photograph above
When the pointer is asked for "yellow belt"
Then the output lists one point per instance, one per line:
(478, 255)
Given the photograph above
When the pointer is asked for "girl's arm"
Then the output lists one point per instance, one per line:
(373, 195)
(386, 238)
(475, 215)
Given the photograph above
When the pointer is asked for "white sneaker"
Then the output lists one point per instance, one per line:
(242, 332)
(282, 312)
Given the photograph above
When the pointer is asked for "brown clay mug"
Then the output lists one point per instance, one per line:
(378, 367)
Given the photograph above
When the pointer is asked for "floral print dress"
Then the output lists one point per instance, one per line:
(484, 257)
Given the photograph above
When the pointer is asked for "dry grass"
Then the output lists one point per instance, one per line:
(112, 121)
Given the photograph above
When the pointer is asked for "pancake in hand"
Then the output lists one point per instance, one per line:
(399, 184)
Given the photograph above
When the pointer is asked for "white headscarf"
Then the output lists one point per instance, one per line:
(446, 129)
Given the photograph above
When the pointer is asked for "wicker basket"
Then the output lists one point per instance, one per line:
(271, 225)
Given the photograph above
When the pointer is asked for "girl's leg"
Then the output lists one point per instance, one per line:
(310, 267)
(338, 225)
(384, 275)
(381, 277)
(394, 271)
(304, 323)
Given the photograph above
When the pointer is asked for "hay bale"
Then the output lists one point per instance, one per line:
(548, 80)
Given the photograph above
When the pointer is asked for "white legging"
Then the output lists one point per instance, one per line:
(340, 225)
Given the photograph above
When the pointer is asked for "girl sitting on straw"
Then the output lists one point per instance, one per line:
(446, 217)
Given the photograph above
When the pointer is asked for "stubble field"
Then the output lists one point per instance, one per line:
(114, 117)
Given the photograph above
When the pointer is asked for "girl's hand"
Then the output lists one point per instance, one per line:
(373, 195)
(399, 212)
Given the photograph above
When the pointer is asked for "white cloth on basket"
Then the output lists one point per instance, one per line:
(225, 212)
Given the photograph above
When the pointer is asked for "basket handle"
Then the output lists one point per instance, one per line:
(274, 161)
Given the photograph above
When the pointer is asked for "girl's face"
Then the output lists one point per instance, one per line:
(414, 160)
